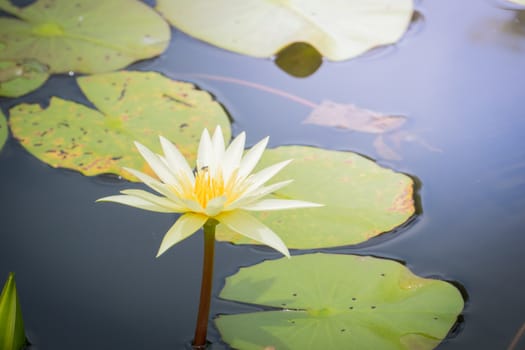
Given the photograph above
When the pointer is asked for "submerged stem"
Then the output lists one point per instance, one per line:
(199, 341)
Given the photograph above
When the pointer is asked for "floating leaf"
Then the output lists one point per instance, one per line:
(20, 78)
(12, 336)
(132, 106)
(337, 29)
(3, 130)
(332, 301)
(86, 36)
(361, 199)
(350, 117)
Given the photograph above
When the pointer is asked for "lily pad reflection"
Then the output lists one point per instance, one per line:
(333, 302)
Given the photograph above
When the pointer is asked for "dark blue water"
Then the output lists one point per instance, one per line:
(87, 274)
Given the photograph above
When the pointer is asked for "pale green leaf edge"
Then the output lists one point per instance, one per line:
(3, 130)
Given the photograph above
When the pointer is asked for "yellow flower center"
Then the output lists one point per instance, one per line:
(207, 187)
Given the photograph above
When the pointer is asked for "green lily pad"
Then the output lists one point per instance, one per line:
(337, 29)
(12, 335)
(3, 130)
(85, 36)
(361, 199)
(20, 78)
(330, 301)
(132, 106)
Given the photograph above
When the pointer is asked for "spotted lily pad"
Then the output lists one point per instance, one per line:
(131, 106)
(361, 199)
(3, 130)
(86, 36)
(337, 29)
(22, 77)
(330, 301)
(12, 335)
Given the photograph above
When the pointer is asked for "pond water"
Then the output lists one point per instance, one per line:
(87, 275)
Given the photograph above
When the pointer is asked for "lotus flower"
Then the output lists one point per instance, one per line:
(222, 187)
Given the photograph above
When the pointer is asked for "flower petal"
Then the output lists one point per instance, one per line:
(156, 164)
(218, 149)
(258, 179)
(215, 206)
(248, 226)
(193, 205)
(160, 201)
(251, 158)
(232, 156)
(184, 227)
(205, 151)
(256, 194)
(279, 204)
(145, 178)
(155, 185)
(175, 159)
(135, 202)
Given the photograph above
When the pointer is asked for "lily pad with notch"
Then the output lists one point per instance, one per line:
(131, 106)
(339, 30)
(82, 35)
(361, 198)
(332, 301)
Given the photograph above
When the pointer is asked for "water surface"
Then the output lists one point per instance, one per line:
(87, 274)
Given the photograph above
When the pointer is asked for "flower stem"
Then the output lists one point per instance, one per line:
(199, 341)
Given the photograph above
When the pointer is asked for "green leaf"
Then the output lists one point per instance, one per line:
(330, 301)
(20, 78)
(337, 29)
(3, 130)
(361, 199)
(132, 106)
(86, 36)
(12, 336)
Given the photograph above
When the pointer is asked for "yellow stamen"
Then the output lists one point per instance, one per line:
(207, 187)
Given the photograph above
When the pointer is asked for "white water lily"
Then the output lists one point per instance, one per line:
(221, 188)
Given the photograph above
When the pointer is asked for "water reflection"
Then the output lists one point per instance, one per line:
(299, 59)
(505, 31)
